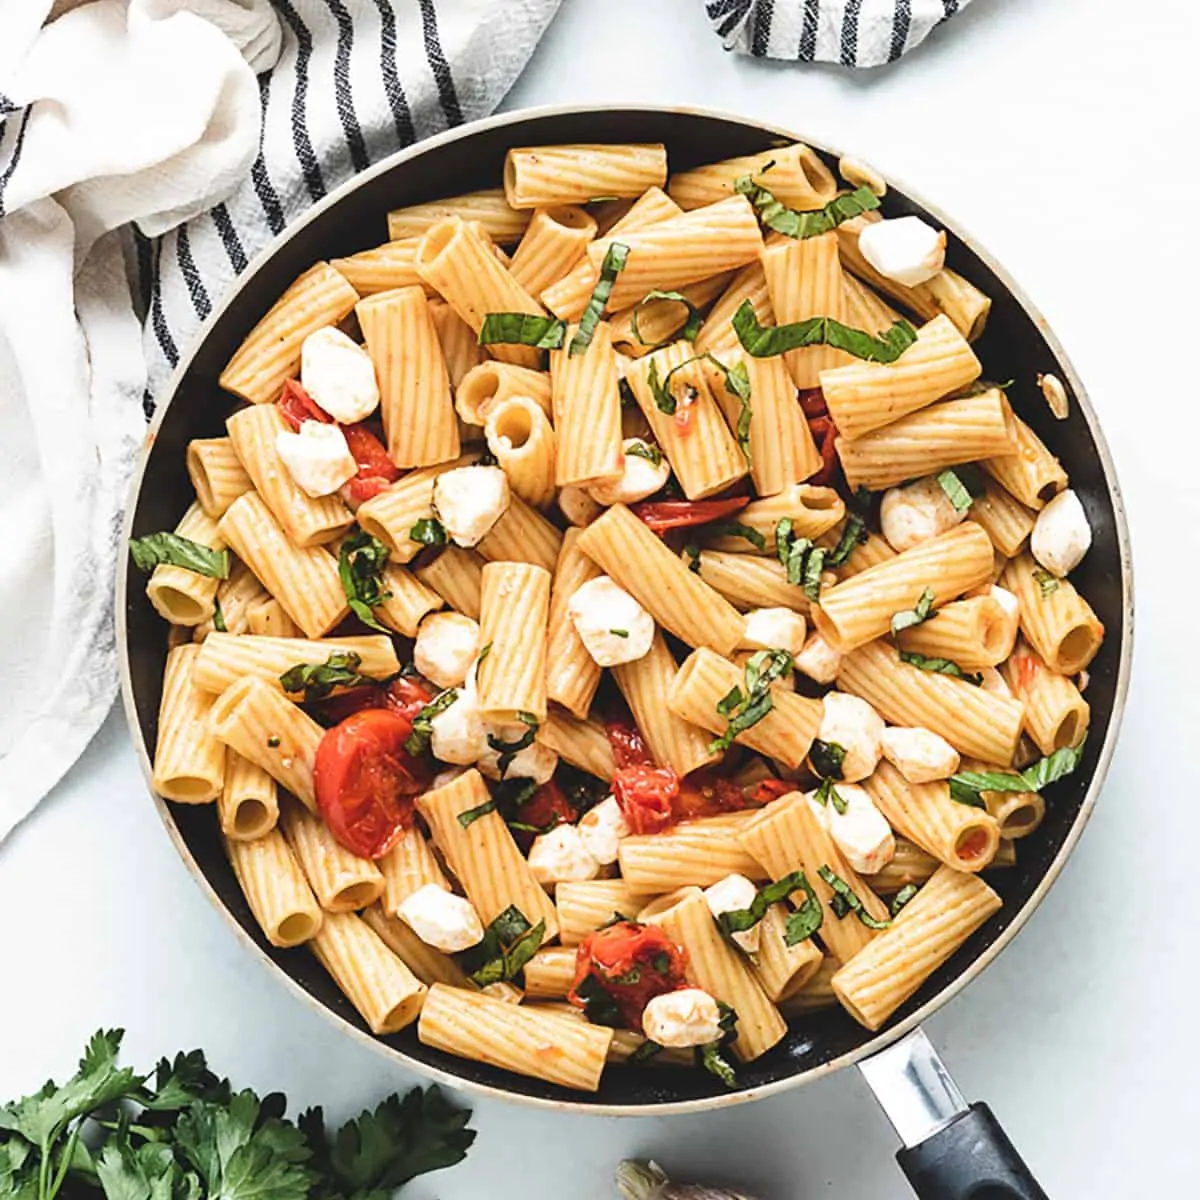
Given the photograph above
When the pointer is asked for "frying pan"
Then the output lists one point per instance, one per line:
(954, 1151)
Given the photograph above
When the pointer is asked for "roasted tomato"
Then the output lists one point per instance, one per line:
(365, 780)
(767, 790)
(406, 697)
(706, 793)
(661, 515)
(632, 964)
(812, 402)
(647, 796)
(825, 434)
(547, 807)
(298, 406)
(376, 472)
(628, 746)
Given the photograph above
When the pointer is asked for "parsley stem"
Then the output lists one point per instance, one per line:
(64, 1163)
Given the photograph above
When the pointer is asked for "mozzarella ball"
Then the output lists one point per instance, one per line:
(441, 919)
(459, 734)
(469, 501)
(683, 1018)
(855, 726)
(317, 457)
(861, 833)
(339, 375)
(915, 513)
(577, 506)
(560, 856)
(602, 829)
(774, 629)
(905, 249)
(640, 477)
(920, 755)
(446, 646)
(1061, 534)
(819, 660)
(728, 895)
(535, 761)
(612, 625)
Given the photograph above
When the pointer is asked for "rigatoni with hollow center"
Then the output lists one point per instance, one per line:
(419, 421)
(266, 617)
(341, 881)
(811, 510)
(488, 208)
(216, 473)
(795, 175)
(542, 176)
(185, 597)
(582, 743)
(691, 854)
(659, 320)
(587, 410)
(514, 613)
(749, 581)
(407, 600)
(189, 762)
(572, 675)
(227, 657)
(1059, 623)
(550, 973)
(909, 865)
(583, 907)
(1029, 471)
(248, 806)
(522, 535)
(275, 889)
(1018, 814)
(555, 240)
(971, 633)
(457, 576)
(523, 443)
(1056, 714)
(270, 353)
(491, 383)
(382, 268)
(782, 969)
(717, 335)
(1003, 518)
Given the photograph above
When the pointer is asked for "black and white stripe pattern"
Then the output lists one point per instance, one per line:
(853, 33)
(358, 79)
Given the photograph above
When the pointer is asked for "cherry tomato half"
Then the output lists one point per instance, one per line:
(365, 781)
(628, 746)
(403, 696)
(376, 471)
(706, 793)
(647, 796)
(632, 963)
(298, 406)
(661, 515)
(825, 434)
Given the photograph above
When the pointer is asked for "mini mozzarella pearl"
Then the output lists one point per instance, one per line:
(639, 478)
(560, 856)
(774, 629)
(612, 625)
(915, 513)
(855, 726)
(905, 249)
(469, 501)
(446, 646)
(730, 894)
(441, 919)
(685, 1017)
(1061, 535)
(920, 755)
(459, 734)
(535, 761)
(602, 829)
(317, 457)
(861, 833)
(339, 375)
(577, 506)
(819, 660)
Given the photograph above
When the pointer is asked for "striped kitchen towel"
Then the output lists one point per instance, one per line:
(852, 33)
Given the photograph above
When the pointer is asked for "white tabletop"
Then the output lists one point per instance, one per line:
(1057, 131)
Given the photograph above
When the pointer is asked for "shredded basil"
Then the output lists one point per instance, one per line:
(735, 529)
(468, 818)
(692, 553)
(967, 786)
(902, 897)
(647, 450)
(621, 633)
(807, 919)
(484, 653)
(828, 794)
(361, 562)
(418, 741)
(963, 486)
(745, 709)
(803, 560)
(739, 920)
(615, 258)
(169, 549)
(846, 901)
(429, 531)
(914, 616)
(691, 326)
(827, 758)
(940, 666)
(1047, 582)
(854, 533)
(509, 750)
(645, 1051)
(509, 942)
(777, 216)
(710, 1057)
(523, 329)
(219, 618)
(766, 341)
(598, 1006)
(317, 680)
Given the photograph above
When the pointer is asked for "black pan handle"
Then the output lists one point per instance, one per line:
(969, 1159)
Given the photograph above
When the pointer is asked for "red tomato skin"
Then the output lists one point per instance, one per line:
(608, 954)
(647, 796)
(406, 697)
(628, 746)
(369, 453)
(825, 434)
(298, 406)
(812, 402)
(767, 790)
(707, 793)
(661, 515)
(365, 781)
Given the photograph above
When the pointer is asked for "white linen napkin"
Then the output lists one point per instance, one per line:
(149, 111)
(852, 33)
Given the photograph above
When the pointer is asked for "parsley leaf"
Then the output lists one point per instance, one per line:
(849, 901)
(915, 616)
(777, 216)
(317, 680)
(361, 562)
(745, 709)
(615, 258)
(523, 329)
(766, 341)
(155, 549)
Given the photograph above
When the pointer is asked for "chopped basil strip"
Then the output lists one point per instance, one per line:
(647, 450)
(803, 560)
(509, 942)
(940, 666)
(509, 750)
(967, 786)
(745, 709)
(645, 1051)
(614, 263)
(827, 758)
(219, 618)
(738, 920)
(621, 633)
(914, 616)
(169, 549)
(361, 562)
(691, 326)
(692, 554)
(962, 487)
(418, 741)
(854, 533)
(660, 389)
(484, 653)
(777, 216)
(846, 901)
(598, 1006)
(766, 341)
(523, 329)
(737, 384)
(828, 794)
(710, 1056)
(468, 818)
(736, 530)
(1045, 581)
(429, 531)
(317, 680)
(807, 919)
(903, 896)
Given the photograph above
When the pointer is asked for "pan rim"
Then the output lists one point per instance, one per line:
(879, 1041)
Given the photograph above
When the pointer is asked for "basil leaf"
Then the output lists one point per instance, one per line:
(615, 258)
(745, 709)
(621, 633)
(915, 616)
(660, 389)
(738, 920)
(484, 653)
(692, 554)
(966, 786)
(219, 618)
(767, 341)
(468, 818)
(737, 383)
(710, 1056)
(828, 794)
(523, 329)
(1054, 767)
(509, 750)
(962, 487)
(418, 741)
(850, 901)
(169, 549)
(645, 1051)
(647, 450)
(598, 1006)
(735, 529)
(691, 326)
(827, 758)
(902, 897)
(509, 942)
(814, 564)
(317, 680)
(854, 533)
(807, 919)
(361, 562)
(964, 793)
(1047, 582)
(775, 215)
(940, 666)
(429, 531)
